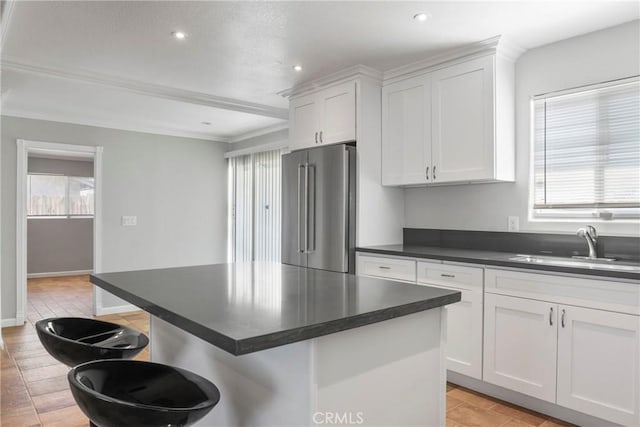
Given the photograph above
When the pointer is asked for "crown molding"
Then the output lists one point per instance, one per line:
(496, 44)
(5, 20)
(149, 89)
(357, 71)
(259, 132)
(74, 119)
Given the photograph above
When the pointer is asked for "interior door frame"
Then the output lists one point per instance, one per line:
(26, 147)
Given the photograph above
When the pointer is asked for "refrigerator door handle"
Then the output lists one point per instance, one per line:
(306, 207)
(300, 166)
(311, 209)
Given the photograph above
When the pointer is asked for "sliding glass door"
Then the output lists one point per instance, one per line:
(255, 206)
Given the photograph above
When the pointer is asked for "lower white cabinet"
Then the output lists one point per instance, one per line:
(573, 341)
(464, 318)
(599, 363)
(520, 345)
(581, 358)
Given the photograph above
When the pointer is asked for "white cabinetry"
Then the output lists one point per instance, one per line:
(599, 363)
(583, 356)
(456, 121)
(520, 345)
(386, 268)
(463, 121)
(464, 318)
(324, 117)
(406, 129)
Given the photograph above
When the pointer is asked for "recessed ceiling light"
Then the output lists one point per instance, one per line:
(421, 17)
(297, 68)
(206, 123)
(179, 35)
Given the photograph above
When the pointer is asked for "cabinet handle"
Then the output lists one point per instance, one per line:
(382, 267)
(427, 173)
(551, 316)
(448, 275)
(434, 172)
(562, 318)
(320, 137)
(316, 137)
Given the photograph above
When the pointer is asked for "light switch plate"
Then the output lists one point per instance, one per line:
(129, 220)
(514, 223)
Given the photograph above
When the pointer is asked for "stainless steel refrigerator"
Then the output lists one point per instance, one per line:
(318, 208)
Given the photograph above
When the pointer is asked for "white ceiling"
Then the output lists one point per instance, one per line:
(115, 64)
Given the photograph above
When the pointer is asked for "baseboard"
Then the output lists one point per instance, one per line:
(547, 408)
(116, 309)
(59, 274)
(6, 323)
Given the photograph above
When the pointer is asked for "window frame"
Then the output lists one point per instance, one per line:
(581, 215)
(67, 215)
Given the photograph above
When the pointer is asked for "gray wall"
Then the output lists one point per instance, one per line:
(177, 187)
(59, 244)
(595, 57)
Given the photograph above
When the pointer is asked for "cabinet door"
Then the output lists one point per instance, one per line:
(599, 364)
(338, 114)
(463, 121)
(303, 120)
(464, 332)
(406, 132)
(520, 345)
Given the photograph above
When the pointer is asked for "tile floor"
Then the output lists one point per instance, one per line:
(34, 390)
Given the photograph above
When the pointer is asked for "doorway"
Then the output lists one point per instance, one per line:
(69, 203)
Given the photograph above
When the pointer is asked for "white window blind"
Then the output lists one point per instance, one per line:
(255, 206)
(587, 150)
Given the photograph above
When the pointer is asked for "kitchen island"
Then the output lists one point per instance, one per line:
(296, 346)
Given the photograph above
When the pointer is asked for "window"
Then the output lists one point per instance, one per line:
(59, 196)
(255, 206)
(586, 160)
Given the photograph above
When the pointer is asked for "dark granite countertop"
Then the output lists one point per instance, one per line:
(247, 307)
(503, 259)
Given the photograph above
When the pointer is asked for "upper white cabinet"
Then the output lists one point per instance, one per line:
(324, 117)
(406, 118)
(462, 104)
(450, 125)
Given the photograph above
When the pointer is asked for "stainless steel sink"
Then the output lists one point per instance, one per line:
(596, 264)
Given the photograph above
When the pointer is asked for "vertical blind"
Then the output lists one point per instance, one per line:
(587, 148)
(255, 206)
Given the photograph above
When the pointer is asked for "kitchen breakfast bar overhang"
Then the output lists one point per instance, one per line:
(293, 346)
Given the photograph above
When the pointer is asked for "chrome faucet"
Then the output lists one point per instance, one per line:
(589, 233)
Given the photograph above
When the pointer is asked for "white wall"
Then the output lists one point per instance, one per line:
(595, 57)
(177, 187)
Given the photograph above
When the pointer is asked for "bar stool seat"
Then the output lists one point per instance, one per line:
(75, 340)
(117, 393)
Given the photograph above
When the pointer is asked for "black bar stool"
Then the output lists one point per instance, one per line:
(117, 393)
(75, 340)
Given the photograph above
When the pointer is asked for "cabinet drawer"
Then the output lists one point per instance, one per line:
(573, 290)
(388, 268)
(450, 275)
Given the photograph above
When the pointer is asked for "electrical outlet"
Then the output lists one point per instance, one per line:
(514, 223)
(129, 220)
